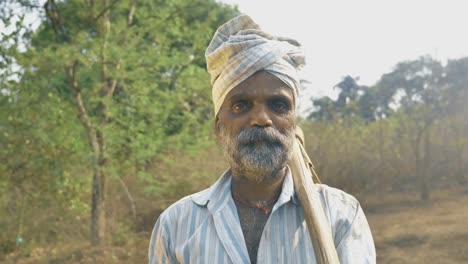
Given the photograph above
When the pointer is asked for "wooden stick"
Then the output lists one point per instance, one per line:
(319, 228)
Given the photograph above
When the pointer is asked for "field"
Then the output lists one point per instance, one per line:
(405, 229)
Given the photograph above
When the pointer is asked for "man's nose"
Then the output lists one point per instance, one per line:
(260, 117)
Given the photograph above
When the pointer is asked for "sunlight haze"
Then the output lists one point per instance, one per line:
(362, 38)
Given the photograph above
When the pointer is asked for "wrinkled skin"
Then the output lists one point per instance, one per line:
(255, 126)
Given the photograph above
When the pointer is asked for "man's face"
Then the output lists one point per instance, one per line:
(256, 126)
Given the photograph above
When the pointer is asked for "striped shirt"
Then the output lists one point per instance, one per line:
(205, 228)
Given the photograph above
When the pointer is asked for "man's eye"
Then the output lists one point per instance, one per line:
(280, 106)
(239, 107)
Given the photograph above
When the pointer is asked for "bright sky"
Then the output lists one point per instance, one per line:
(364, 38)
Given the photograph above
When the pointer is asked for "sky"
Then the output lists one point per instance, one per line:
(364, 38)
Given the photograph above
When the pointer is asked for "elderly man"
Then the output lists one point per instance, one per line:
(252, 214)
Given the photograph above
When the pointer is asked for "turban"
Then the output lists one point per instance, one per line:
(239, 49)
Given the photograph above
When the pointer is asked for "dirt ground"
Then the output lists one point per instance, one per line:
(407, 230)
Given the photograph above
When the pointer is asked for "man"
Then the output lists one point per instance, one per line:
(252, 214)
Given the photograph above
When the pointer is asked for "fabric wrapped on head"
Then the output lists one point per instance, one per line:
(239, 49)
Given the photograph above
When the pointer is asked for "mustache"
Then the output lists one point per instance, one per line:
(252, 135)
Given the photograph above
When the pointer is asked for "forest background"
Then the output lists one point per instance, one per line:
(106, 119)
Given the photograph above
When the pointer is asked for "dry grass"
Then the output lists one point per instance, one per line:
(80, 252)
(407, 230)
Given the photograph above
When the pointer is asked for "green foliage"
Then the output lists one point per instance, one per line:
(162, 94)
(410, 84)
(353, 100)
(417, 117)
(154, 53)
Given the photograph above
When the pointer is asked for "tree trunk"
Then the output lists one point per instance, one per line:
(98, 218)
(95, 141)
(98, 212)
(381, 144)
(95, 132)
(425, 168)
(425, 194)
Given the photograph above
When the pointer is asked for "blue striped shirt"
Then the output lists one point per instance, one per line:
(205, 228)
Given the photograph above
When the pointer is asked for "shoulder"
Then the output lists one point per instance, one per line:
(337, 199)
(351, 232)
(195, 206)
(184, 207)
(344, 214)
(340, 207)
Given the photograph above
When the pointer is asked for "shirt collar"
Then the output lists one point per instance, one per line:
(218, 195)
(288, 188)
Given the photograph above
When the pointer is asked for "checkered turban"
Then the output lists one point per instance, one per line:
(239, 49)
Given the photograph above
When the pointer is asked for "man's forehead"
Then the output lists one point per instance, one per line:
(260, 82)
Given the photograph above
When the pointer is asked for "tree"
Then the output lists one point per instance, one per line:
(353, 100)
(133, 71)
(455, 110)
(414, 122)
(421, 83)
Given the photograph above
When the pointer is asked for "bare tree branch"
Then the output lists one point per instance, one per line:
(131, 13)
(53, 14)
(129, 196)
(82, 111)
(106, 8)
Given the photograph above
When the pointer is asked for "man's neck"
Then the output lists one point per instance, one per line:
(252, 191)
(247, 192)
